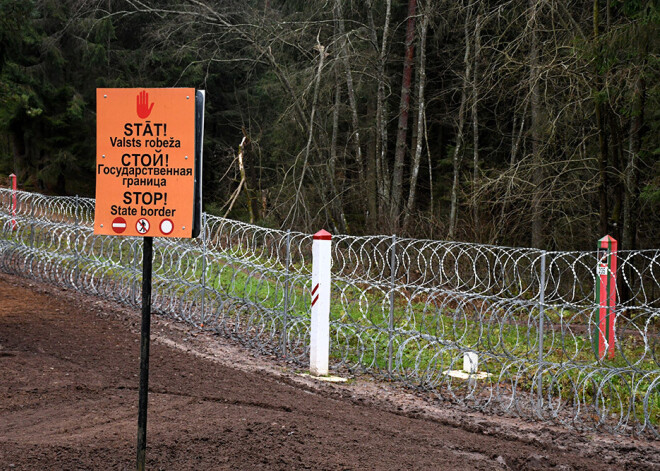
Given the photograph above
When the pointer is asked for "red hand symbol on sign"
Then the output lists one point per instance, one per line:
(143, 108)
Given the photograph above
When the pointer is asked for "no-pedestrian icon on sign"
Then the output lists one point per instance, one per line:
(142, 226)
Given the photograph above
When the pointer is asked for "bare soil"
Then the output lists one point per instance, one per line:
(69, 368)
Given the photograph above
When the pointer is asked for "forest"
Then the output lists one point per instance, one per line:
(529, 123)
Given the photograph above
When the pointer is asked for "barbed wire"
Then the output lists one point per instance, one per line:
(405, 309)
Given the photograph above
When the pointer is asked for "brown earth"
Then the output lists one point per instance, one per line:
(69, 368)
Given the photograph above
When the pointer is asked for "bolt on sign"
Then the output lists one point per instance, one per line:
(148, 163)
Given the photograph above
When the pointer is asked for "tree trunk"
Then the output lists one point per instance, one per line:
(382, 168)
(631, 195)
(335, 196)
(602, 137)
(299, 196)
(404, 109)
(372, 183)
(475, 127)
(617, 167)
(535, 125)
(18, 152)
(251, 181)
(421, 79)
(458, 157)
(244, 180)
(429, 158)
(631, 182)
(351, 92)
(502, 224)
(241, 183)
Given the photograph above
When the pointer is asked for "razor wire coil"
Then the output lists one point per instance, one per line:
(406, 309)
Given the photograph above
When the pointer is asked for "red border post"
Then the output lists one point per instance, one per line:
(12, 182)
(606, 296)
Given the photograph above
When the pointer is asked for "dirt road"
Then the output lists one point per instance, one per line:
(68, 400)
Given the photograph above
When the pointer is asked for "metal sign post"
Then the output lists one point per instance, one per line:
(145, 334)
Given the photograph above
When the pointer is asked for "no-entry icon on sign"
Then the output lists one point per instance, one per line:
(119, 225)
(148, 164)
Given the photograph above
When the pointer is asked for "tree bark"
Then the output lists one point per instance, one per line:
(602, 136)
(335, 196)
(370, 160)
(18, 152)
(237, 192)
(298, 201)
(351, 92)
(502, 223)
(458, 157)
(421, 79)
(616, 214)
(382, 168)
(631, 195)
(404, 110)
(535, 125)
(251, 180)
(475, 126)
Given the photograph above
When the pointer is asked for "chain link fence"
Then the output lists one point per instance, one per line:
(404, 309)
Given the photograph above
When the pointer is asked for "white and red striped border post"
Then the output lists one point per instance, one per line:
(319, 345)
(12, 183)
(606, 296)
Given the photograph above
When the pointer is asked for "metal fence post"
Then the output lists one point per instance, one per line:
(285, 320)
(75, 246)
(31, 223)
(390, 322)
(13, 187)
(203, 314)
(134, 269)
(541, 316)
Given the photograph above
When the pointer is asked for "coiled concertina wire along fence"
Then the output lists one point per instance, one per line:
(405, 309)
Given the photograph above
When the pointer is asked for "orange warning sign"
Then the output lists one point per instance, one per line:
(145, 163)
